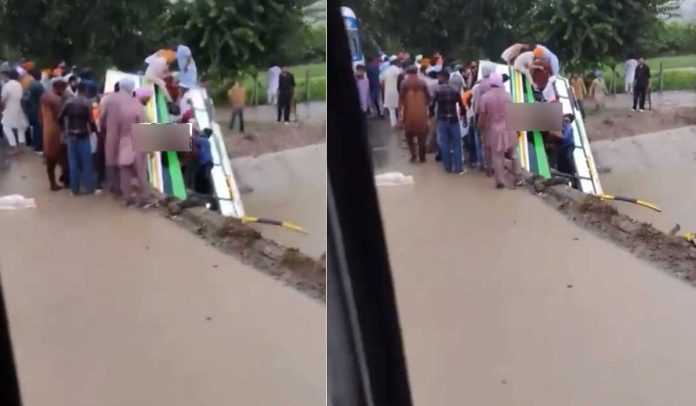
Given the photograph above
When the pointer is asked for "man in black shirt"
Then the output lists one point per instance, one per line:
(286, 91)
(641, 85)
(446, 99)
(77, 123)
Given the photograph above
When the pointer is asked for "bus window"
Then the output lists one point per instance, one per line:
(354, 42)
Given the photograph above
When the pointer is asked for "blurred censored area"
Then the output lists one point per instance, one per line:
(162, 137)
(533, 117)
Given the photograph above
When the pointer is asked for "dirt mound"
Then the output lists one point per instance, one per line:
(611, 124)
(669, 252)
(264, 138)
(230, 235)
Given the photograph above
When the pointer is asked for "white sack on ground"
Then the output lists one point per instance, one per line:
(14, 202)
(393, 179)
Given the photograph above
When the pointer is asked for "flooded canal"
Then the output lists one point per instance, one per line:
(658, 167)
(288, 186)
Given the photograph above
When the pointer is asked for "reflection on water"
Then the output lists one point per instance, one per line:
(288, 186)
(660, 168)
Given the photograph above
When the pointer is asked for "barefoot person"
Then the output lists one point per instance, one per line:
(498, 142)
(55, 151)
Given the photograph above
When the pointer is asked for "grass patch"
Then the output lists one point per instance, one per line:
(668, 62)
(672, 80)
(677, 74)
(317, 85)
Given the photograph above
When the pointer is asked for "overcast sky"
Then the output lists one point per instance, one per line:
(688, 10)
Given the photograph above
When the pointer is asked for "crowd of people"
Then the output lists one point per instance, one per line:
(87, 132)
(447, 109)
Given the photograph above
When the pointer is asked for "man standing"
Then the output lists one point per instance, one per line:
(33, 107)
(55, 152)
(580, 91)
(109, 121)
(237, 99)
(272, 78)
(449, 132)
(414, 99)
(188, 73)
(498, 141)
(14, 121)
(478, 91)
(363, 85)
(598, 90)
(642, 84)
(457, 79)
(629, 73)
(389, 80)
(375, 92)
(286, 92)
(77, 123)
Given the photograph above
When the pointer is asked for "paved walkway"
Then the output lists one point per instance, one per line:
(504, 302)
(111, 306)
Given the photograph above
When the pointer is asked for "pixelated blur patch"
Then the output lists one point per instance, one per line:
(534, 116)
(162, 137)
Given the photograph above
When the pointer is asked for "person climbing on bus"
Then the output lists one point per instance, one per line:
(158, 69)
(513, 51)
(541, 52)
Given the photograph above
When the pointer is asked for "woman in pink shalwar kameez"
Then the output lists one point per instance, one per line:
(499, 143)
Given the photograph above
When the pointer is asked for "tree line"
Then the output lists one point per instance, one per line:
(583, 33)
(226, 36)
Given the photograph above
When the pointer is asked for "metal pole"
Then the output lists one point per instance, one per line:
(256, 91)
(661, 77)
(307, 85)
(613, 81)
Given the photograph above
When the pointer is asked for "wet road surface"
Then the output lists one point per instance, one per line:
(111, 306)
(288, 186)
(504, 302)
(658, 167)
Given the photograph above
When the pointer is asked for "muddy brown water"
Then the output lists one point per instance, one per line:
(288, 186)
(504, 302)
(113, 306)
(658, 167)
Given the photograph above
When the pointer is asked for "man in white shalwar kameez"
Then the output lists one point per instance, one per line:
(389, 79)
(14, 121)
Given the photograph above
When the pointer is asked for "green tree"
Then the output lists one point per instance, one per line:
(96, 32)
(588, 34)
(229, 36)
